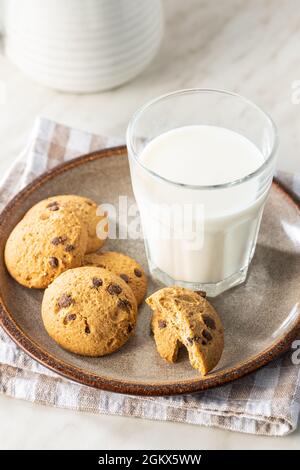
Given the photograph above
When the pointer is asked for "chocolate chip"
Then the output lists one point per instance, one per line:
(202, 293)
(59, 240)
(87, 328)
(65, 301)
(53, 262)
(130, 328)
(124, 277)
(69, 318)
(53, 206)
(206, 334)
(204, 343)
(69, 248)
(114, 289)
(209, 322)
(162, 324)
(197, 339)
(124, 304)
(185, 298)
(97, 282)
(138, 272)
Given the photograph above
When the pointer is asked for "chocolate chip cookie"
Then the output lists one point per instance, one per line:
(89, 311)
(125, 267)
(40, 248)
(182, 316)
(86, 211)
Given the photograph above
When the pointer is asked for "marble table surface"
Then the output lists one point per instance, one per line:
(251, 47)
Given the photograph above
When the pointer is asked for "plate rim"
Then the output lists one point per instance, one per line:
(76, 374)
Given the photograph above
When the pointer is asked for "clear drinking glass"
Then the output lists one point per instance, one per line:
(214, 252)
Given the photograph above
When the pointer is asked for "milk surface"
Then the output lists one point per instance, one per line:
(223, 223)
(202, 155)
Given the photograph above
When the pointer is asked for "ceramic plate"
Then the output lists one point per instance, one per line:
(261, 317)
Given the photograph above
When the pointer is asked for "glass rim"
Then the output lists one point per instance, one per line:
(249, 176)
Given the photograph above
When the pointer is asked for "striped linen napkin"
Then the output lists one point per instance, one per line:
(265, 402)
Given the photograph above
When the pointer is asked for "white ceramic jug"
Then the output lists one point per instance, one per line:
(82, 45)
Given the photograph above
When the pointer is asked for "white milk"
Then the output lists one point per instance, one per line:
(223, 222)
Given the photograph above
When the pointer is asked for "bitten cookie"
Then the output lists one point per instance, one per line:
(86, 211)
(125, 267)
(89, 311)
(165, 335)
(193, 321)
(39, 249)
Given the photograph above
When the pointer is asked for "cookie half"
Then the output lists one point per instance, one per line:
(86, 211)
(89, 311)
(165, 335)
(125, 267)
(193, 321)
(40, 248)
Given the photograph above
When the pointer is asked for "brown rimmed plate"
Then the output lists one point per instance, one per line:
(261, 317)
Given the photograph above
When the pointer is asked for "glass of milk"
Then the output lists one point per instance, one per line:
(202, 163)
